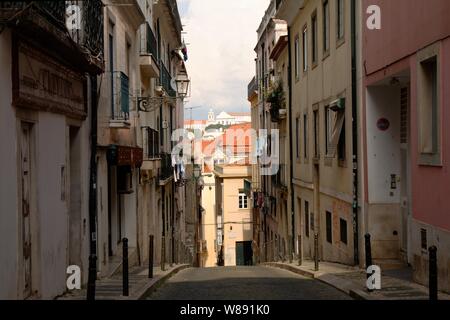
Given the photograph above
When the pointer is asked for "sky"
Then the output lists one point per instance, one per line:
(220, 37)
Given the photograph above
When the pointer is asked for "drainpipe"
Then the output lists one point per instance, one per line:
(291, 153)
(93, 193)
(354, 134)
(172, 213)
(138, 225)
(263, 126)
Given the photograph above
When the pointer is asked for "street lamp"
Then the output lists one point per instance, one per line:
(197, 172)
(182, 82)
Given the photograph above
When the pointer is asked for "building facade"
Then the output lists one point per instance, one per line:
(322, 50)
(140, 108)
(233, 215)
(119, 155)
(405, 103)
(228, 118)
(87, 124)
(270, 191)
(256, 192)
(45, 114)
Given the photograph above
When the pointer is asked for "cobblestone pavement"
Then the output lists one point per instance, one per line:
(139, 283)
(395, 284)
(244, 283)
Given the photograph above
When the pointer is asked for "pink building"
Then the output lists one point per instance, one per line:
(406, 112)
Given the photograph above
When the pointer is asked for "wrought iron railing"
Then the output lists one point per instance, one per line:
(165, 78)
(121, 96)
(149, 44)
(252, 87)
(88, 34)
(166, 170)
(56, 9)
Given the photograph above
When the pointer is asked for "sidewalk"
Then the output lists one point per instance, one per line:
(352, 280)
(140, 285)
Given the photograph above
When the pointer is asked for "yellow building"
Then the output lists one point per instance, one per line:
(209, 233)
(234, 220)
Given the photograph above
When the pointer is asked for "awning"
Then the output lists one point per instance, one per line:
(125, 156)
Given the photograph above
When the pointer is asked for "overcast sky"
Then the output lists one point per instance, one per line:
(221, 36)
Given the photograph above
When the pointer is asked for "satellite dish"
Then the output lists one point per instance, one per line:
(173, 84)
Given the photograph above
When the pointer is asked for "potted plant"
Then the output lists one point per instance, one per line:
(277, 100)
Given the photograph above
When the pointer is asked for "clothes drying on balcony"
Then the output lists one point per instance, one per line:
(178, 168)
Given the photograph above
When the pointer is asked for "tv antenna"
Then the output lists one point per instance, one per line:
(191, 108)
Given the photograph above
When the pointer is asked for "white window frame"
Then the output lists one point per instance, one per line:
(305, 48)
(430, 148)
(340, 20)
(326, 26)
(243, 201)
(297, 57)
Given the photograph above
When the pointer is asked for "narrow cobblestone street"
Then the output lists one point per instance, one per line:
(244, 283)
(168, 151)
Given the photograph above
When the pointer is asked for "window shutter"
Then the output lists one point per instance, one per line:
(339, 122)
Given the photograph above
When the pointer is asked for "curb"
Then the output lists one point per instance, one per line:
(155, 283)
(344, 286)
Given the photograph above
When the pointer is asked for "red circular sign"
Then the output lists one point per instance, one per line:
(383, 124)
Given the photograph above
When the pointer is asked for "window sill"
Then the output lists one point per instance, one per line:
(119, 124)
(430, 160)
(431, 165)
(152, 159)
(326, 54)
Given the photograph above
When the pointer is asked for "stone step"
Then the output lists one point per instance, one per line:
(115, 263)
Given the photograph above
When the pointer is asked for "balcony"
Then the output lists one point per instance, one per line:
(45, 23)
(287, 10)
(120, 100)
(252, 89)
(277, 100)
(165, 79)
(166, 170)
(148, 59)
